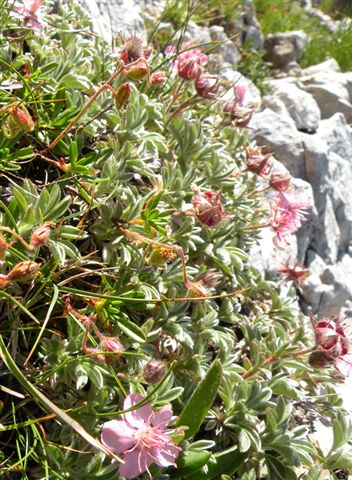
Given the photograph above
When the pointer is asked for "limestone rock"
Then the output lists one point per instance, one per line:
(281, 137)
(226, 48)
(300, 105)
(286, 47)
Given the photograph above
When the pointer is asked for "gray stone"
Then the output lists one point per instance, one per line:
(338, 135)
(226, 49)
(281, 137)
(286, 47)
(300, 105)
(197, 34)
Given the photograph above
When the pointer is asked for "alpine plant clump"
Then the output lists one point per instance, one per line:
(137, 338)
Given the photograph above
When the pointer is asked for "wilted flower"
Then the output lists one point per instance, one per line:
(29, 12)
(24, 271)
(132, 49)
(296, 273)
(157, 78)
(208, 208)
(41, 234)
(154, 371)
(4, 280)
(331, 340)
(122, 94)
(188, 62)
(257, 161)
(197, 289)
(287, 213)
(141, 437)
(210, 278)
(207, 85)
(280, 180)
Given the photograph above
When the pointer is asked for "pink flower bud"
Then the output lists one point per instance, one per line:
(154, 371)
(208, 208)
(157, 78)
(18, 118)
(41, 234)
(207, 85)
(111, 344)
(24, 271)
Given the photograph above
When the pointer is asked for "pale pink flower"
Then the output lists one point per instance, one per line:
(141, 437)
(207, 85)
(287, 213)
(29, 13)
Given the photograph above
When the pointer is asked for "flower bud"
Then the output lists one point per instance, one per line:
(154, 371)
(96, 354)
(157, 78)
(161, 255)
(41, 234)
(197, 289)
(280, 180)
(3, 247)
(207, 85)
(137, 70)
(208, 208)
(23, 271)
(18, 118)
(122, 94)
(257, 161)
(111, 344)
(319, 360)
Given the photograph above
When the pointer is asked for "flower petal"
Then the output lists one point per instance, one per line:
(166, 455)
(118, 436)
(136, 462)
(139, 417)
(162, 417)
(344, 365)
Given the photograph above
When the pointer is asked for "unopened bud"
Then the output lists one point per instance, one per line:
(207, 85)
(154, 371)
(158, 78)
(280, 180)
(18, 118)
(24, 271)
(96, 354)
(161, 255)
(137, 70)
(41, 234)
(122, 94)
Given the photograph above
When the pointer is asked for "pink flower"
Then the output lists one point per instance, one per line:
(208, 208)
(141, 437)
(207, 85)
(286, 216)
(332, 341)
(188, 62)
(29, 13)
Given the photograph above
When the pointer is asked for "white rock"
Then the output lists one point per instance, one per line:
(300, 105)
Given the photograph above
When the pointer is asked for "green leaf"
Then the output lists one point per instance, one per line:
(224, 463)
(201, 400)
(78, 82)
(131, 330)
(244, 441)
(189, 463)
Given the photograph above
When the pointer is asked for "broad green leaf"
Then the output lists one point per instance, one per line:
(189, 462)
(201, 400)
(224, 463)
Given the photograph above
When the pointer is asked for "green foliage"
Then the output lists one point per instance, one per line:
(89, 196)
